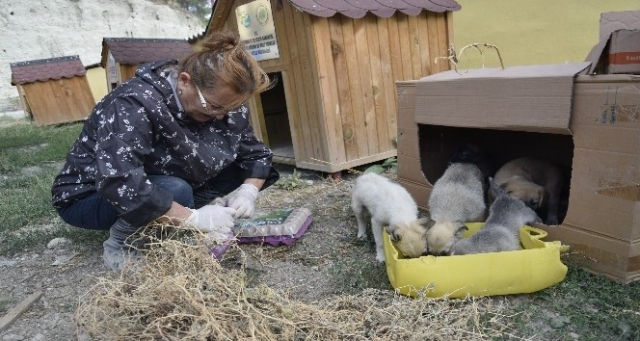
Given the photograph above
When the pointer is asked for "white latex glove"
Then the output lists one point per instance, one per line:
(213, 218)
(242, 200)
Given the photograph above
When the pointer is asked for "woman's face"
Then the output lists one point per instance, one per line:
(217, 102)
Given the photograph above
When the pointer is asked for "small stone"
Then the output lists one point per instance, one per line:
(12, 337)
(574, 336)
(8, 262)
(58, 243)
(37, 337)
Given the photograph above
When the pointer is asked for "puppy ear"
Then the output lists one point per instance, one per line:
(461, 230)
(426, 222)
(392, 233)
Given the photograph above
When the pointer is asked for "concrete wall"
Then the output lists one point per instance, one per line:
(531, 31)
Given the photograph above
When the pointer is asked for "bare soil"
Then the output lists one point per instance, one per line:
(327, 260)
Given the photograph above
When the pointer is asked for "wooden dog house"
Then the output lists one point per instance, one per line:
(121, 56)
(53, 90)
(334, 104)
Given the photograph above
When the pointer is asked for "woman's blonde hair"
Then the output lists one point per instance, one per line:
(224, 60)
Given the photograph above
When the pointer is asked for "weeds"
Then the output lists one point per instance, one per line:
(291, 182)
(389, 165)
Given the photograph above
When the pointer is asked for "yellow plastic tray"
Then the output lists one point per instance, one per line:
(534, 268)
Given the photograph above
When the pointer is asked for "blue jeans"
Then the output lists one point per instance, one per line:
(93, 212)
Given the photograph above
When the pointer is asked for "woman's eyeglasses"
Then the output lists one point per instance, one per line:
(215, 110)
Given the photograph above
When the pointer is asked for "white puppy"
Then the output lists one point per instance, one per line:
(501, 231)
(457, 197)
(389, 205)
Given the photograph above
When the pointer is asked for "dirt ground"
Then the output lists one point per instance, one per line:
(327, 260)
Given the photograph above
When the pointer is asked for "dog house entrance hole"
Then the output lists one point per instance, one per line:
(276, 118)
(437, 143)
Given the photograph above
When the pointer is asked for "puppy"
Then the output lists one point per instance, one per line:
(457, 197)
(389, 205)
(536, 182)
(501, 231)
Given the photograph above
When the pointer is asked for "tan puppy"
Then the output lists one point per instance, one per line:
(538, 183)
(411, 239)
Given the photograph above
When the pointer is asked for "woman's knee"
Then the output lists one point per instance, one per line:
(181, 190)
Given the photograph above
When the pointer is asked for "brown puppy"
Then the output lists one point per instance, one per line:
(536, 182)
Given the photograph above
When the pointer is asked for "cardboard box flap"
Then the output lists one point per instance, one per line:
(613, 21)
(598, 65)
(527, 98)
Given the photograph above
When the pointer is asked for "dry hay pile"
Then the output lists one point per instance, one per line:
(179, 292)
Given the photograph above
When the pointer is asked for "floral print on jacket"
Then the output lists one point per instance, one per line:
(139, 129)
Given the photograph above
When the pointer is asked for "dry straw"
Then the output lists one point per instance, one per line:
(177, 291)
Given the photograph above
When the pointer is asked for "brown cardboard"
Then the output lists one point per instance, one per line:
(613, 21)
(619, 53)
(595, 139)
(527, 98)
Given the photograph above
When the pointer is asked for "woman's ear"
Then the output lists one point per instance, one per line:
(184, 78)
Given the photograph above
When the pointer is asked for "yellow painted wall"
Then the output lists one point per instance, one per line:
(531, 31)
(97, 79)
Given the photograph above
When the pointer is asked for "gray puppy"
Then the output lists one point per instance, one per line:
(457, 197)
(501, 231)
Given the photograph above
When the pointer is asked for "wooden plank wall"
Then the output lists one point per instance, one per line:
(126, 72)
(59, 101)
(359, 62)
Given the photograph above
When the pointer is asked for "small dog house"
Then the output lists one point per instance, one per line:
(121, 56)
(53, 90)
(335, 63)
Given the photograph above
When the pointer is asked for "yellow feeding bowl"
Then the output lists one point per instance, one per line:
(535, 267)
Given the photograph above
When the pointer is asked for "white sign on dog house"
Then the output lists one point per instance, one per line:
(256, 29)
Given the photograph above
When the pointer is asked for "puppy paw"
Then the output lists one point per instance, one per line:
(361, 236)
(380, 258)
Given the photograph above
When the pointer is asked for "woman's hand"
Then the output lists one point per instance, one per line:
(213, 218)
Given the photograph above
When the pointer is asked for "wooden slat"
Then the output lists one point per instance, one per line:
(330, 119)
(302, 75)
(388, 120)
(443, 41)
(18, 310)
(317, 115)
(424, 43)
(394, 48)
(364, 68)
(355, 88)
(378, 86)
(414, 38)
(405, 46)
(338, 46)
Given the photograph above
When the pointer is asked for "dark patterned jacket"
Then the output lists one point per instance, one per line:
(139, 129)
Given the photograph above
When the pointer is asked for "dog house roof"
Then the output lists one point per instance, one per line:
(45, 69)
(133, 51)
(382, 8)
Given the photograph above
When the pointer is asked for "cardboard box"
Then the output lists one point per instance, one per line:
(619, 53)
(587, 124)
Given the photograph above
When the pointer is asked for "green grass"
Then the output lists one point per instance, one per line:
(30, 158)
(26, 145)
(591, 306)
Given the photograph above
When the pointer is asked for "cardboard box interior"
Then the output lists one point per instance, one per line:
(587, 125)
